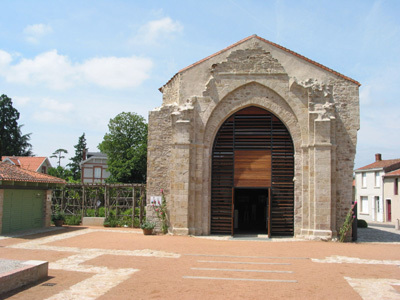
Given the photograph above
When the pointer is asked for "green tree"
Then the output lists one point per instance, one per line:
(62, 173)
(76, 160)
(126, 148)
(12, 141)
(59, 155)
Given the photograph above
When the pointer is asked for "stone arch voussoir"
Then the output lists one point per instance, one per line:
(252, 94)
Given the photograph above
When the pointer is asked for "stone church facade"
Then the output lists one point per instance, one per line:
(255, 139)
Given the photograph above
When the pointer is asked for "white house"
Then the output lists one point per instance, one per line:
(94, 168)
(391, 196)
(370, 188)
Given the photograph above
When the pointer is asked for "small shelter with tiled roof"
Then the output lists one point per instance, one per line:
(377, 190)
(34, 163)
(255, 138)
(25, 198)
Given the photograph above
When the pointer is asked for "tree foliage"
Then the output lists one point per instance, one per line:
(12, 141)
(59, 155)
(62, 173)
(76, 160)
(126, 147)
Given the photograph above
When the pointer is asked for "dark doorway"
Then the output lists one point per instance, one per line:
(250, 211)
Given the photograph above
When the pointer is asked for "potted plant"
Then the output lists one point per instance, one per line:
(147, 228)
(58, 217)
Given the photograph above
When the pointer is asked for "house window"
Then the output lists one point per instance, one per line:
(364, 180)
(364, 204)
(377, 179)
(44, 170)
(97, 172)
(396, 186)
(377, 206)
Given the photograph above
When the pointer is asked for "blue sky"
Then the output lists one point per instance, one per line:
(70, 66)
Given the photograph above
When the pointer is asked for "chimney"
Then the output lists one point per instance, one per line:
(378, 157)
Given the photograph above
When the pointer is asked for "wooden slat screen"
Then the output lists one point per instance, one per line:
(282, 210)
(222, 180)
(250, 130)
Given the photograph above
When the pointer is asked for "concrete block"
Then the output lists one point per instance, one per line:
(21, 273)
(93, 221)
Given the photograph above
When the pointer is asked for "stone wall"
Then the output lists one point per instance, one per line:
(159, 155)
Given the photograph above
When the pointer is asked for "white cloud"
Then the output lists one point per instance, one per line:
(33, 33)
(49, 68)
(5, 58)
(54, 105)
(56, 71)
(114, 72)
(53, 111)
(157, 30)
(46, 116)
(21, 101)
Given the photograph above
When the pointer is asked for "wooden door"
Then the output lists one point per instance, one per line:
(252, 168)
(389, 210)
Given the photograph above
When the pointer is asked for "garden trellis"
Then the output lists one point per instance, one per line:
(101, 200)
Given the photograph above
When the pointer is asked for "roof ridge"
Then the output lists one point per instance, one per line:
(380, 164)
(309, 60)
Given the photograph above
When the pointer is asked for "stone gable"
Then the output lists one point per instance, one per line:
(318, 107)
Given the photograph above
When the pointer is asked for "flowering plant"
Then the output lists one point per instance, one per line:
(161, 212)
(344, 230)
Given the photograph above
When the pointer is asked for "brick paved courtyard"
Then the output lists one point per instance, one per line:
(100, 263)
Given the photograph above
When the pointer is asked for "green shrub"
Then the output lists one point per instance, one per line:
(125, 221)
(90, 212)
(127, 212)
(73, 220)
(111, 221)
(362, 224)
(102, 212)
(136, 223)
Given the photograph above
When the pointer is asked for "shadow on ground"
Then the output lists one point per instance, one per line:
(378, 234)
(25, 287)
(42, 232)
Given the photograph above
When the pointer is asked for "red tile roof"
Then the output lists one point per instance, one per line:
(382, 164)
(10, 172)
(27, 162)
(395, 173)
(273, 44)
